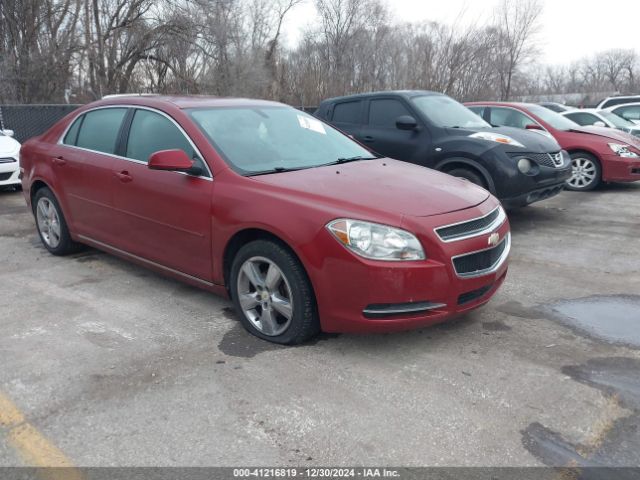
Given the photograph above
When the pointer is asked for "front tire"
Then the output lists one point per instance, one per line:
(586, 172)
(468, 175)
(51, 224)
(272, 294)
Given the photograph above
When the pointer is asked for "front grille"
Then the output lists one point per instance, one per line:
(484, 261)
(473, 295)
(553, 160)
(470, 228)
(7, 160)
(5, 176)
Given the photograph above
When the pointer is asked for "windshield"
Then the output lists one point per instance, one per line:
(443, 111)
(265, 139)
(617, 121)
(554, 119)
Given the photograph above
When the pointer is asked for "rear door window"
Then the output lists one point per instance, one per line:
(477, 110)
(100, 128)
(509, 117)
(347, 112)
(582, 118)
(384, 112)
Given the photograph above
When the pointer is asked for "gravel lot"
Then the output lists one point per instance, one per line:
(118, 366)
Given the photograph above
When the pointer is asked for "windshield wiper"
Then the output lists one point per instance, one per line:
(352, 159)
(275, 170)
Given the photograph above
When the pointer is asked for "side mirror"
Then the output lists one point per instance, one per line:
(599, 123)
(533, 126)
(172, 160)
(8, 133)
(406, 122)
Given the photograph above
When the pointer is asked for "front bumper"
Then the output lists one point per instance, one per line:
(516, 189)
(534, 196)
(9, 173)
(618, 169)
(357, 295)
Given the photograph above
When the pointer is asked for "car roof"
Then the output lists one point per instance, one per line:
(630, 104)
(184, 101)
(384, 93)
(586, 110)
(520, 105)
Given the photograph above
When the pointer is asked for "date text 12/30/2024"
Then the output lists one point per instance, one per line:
(318, 472)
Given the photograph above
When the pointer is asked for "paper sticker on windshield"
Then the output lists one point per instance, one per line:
(311, 124)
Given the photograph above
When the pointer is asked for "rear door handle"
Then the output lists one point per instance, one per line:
(368, 138)
(59, 160)
(123, 176)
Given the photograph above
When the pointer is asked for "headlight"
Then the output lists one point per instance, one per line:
(622, 150)
(375, 241)
(496, 137)
(524, 165)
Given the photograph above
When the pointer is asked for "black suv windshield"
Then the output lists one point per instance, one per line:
(258, 140)
(443, 111)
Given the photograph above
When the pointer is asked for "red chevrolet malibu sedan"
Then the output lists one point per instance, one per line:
(301, 226)
(598, 154)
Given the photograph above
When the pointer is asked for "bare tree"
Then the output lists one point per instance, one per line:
(38, 39)
(516, 23)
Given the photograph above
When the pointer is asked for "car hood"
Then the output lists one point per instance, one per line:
(8, 146)
(611, 133)
(534, 141)
(382, 184)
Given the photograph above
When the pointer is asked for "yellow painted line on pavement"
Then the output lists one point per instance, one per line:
(33, 447)
(10, 416)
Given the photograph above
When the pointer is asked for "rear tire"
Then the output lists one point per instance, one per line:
(468, 175)
(272, 293)
(587, 172)
(51, 224)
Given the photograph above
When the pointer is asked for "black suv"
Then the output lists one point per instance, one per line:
(433, 130)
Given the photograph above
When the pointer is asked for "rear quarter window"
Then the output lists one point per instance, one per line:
(72, 134)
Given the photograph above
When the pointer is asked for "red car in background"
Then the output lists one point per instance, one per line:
(302, 227)
(598, 154)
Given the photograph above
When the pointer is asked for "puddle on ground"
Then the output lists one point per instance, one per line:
(616, 444)
(613, 318)
(495, 326)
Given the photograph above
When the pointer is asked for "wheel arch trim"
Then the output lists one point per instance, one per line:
(469, 163)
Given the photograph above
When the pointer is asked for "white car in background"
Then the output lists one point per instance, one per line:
(628, 111)
(602, 118)
(611, 102)
(9, 160)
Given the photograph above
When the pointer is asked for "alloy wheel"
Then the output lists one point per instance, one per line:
(48, 222)
(584, 172)
(265, 296)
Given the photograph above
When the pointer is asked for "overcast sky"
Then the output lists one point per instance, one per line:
(570, 30)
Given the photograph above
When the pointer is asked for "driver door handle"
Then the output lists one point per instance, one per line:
(123, 176)
(368, 138)
(59, 160)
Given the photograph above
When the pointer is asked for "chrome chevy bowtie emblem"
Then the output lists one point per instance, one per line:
(493, 239)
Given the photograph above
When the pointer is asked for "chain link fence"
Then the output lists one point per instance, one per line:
(28, 121)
